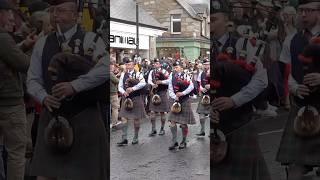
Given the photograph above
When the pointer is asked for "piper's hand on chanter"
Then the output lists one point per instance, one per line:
(207, 86)
(158, 82)
(179, 94)
(312, 79)
(302, 90)
(215, 117)
(62, 90)
(125, 94)
(129, 90)
(223, 103)
(51, 102)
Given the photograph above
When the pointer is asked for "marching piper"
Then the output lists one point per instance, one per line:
(159, 97)
(204, 104)
(180, 87)
(297, 148)
(69, 43)
(130, 86)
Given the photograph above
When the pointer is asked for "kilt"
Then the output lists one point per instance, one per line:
(201, 109)
(164, 106)
(294, 149)
(244, 160)
(138, 111)
(88, 156)
(186, 115)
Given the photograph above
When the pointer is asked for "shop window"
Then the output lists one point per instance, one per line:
(176, 24)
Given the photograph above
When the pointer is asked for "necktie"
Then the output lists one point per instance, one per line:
(307, 34)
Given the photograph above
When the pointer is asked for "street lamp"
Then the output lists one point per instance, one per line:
(137, 27)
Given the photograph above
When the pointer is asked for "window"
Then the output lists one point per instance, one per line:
(176, 24)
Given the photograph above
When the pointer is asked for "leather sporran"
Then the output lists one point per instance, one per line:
(219, 147)
(307, 122)
(59, 135)
(128, 104)
(176, 108)
(205, 100)
(156, 100)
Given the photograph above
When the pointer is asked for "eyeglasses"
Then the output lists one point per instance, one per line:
(58, 10)
(306, 10)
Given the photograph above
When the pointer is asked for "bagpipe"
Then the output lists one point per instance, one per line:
(158, 75)
(129, 83)
(307, 121)
(206, 97)
(66, 67)
(180, 85)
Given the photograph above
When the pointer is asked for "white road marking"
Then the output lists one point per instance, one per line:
(271, 132)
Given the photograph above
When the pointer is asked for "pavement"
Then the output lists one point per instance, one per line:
(151, 159)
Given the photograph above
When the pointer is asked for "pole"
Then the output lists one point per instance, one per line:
(137, 26)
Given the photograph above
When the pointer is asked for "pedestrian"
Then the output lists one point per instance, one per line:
(130, 86)
(13, 62)
(180, 87)
(87, 156)
(114, 96)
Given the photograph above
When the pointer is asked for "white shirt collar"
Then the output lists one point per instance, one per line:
(68, 35)
(315, 30)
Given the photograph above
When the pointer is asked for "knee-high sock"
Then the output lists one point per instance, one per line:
(174, 133)
(163, 120)
(136, 128)
(125, 130)
(184, 129)
(153, 120)
(202, 122)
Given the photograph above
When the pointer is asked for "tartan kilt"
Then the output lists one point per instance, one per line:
(138, 111)
(201, 109)
(87, 158)
(244, 160)
(295, 149)
(164, 106)
(186, 116)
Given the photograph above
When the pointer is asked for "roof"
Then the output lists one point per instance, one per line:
(188, 8)
(125, 11)
(200, 8)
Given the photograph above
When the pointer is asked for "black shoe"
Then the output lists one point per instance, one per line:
(174, 146)
(153, 133)
(162, 132)
(201, 134)
(182, 145)
(123, 142)
(135, 141)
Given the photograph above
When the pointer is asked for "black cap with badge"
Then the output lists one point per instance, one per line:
(178, 63)
(127, 60)
(206, 61)
(4, 5)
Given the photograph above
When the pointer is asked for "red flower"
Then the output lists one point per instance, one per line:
(304, 59)
(253, 41)
(215, 84)
(315, 40)
(223, 57)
